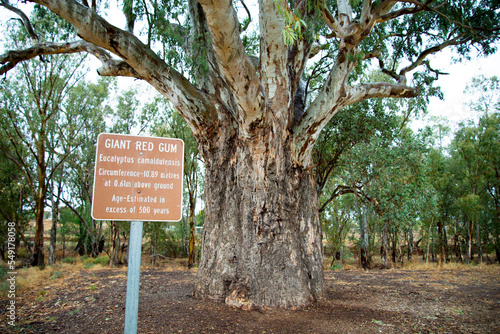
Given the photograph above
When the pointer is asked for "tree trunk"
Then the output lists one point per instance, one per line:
(114, 258)
(429, 241)
(192, 205)
(55, 221)
(394, 246)
(363, 229)
(470, 228)
(38, 256)
(410, 243)
(53, 238)
(441, 242)
(262, 237)
(458, 248)
(497, 248)
(384, 249)
(479, 247)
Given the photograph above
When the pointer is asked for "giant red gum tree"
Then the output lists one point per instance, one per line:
(262, 244)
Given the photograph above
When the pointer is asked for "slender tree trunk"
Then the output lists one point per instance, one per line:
(394, 246)
(458, 248)
(441, 243)
(192, 205)
(55, 221)
(428, 242)
(262, 238)
(384, 249)
(479, 247)
(363, 228)
(114, 259)
(410, 243)
(497, 248)
(446, 246)
(38, 256)
(53, 239)
(470, 228)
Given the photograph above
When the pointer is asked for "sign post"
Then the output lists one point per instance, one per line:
(133, 277)
(137, 179)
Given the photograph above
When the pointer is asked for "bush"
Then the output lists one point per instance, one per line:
(56, 274)
(70, 260)
(337, 266)
(89, 262)
(102, 260)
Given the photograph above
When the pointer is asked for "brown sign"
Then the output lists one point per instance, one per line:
(138, 178)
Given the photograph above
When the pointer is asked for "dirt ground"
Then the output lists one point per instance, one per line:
(377, 301)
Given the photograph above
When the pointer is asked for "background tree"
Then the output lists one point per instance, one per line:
(262, 238)
(34, 118)
(173, 125)
(89, 103)
(14, 199)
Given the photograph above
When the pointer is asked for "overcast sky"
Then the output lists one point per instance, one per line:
(453, 107)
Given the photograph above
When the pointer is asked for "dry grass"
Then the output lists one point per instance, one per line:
(32, 277)
(450, 266)
(414, 264)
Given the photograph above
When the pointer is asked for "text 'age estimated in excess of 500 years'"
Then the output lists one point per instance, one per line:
(138, 178)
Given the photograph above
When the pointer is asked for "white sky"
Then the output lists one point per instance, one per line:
(453, 107)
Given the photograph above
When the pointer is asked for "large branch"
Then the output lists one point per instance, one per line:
(237, 69)
(190, 102)
(24, 19)
(110, 66)
(455, 41)
(335, 95)
(273, 55)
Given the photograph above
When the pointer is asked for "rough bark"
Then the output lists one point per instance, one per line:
(262, 237)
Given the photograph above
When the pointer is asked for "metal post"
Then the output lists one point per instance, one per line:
(133, 277)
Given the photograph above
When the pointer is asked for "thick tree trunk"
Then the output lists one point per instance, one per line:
(262, 237)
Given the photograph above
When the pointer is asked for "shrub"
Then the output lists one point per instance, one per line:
(70, 260)
(102, 260)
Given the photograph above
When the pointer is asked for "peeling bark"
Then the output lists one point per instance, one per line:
(262, 238)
